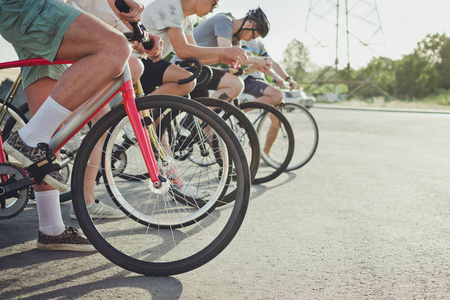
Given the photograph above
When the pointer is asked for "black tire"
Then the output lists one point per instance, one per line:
(244, 131)
(282, 150)
(306, 133)
(157, 248)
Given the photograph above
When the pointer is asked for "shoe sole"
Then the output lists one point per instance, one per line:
(65, 247)
(26, 161)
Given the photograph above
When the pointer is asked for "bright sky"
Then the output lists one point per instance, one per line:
(404, 23)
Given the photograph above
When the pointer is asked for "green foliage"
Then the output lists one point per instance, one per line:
(379, 71)
(296, 58)
(430, 47)
(424, 74)
(416, 77)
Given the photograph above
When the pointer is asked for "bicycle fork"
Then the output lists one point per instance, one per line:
(139, 128)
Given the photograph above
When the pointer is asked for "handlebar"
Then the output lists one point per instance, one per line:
(194, 66)
(139, 33)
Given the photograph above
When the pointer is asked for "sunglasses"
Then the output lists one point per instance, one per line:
(215, 5)
(253, 32)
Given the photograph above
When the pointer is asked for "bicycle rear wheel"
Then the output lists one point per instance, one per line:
(306, 134)
(159, 234)
(275, 136)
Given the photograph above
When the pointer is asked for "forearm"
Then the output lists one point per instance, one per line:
(210, 61)
(252, 60)
(279, 70)
(207, 54)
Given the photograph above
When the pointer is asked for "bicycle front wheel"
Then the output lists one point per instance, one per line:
(306, 134)
(244, 131)
(161, 233)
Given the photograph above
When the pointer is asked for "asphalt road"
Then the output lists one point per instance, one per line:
(367, 218)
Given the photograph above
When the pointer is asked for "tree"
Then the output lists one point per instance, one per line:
(430, 47)
(443, 67)
(380, 72)
(416, 77)
(296, 58)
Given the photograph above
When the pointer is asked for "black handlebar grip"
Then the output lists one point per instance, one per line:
(139, 34)
(122, 6)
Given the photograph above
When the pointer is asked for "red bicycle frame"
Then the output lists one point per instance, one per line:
(122, 84)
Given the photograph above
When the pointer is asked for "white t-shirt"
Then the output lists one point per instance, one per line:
(159, 15)
(102, 10)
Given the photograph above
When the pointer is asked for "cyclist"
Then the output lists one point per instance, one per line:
(106, 11)
(55, 30)
(223, 30)
(172, 21)
(257, 85)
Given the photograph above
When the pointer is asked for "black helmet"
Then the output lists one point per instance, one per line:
(260, 19)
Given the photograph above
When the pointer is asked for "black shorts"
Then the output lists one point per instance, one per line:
(212, 85)
(153, 74)
(255, 86)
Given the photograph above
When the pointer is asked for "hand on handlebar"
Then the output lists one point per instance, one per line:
(233, 56)
(153, 54)
(279, 82)
(292, 84)
(263, 64)
(134, 15)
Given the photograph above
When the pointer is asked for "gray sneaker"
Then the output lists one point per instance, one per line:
(41, 154)
(69, 240)
(99, 210)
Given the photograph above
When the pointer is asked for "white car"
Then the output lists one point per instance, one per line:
(294, 96)
(298, 97)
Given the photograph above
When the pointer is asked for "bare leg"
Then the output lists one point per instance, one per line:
(272, 96)
(229, 88)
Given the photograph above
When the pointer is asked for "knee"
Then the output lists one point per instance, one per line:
(236, 87)
(189, 87)
(186, 89)
(118, 52)
(136, 68)
(278, 96)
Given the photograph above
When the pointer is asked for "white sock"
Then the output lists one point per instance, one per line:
(49, 212)
(44, 123)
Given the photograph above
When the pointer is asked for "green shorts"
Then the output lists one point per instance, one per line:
(36, 29)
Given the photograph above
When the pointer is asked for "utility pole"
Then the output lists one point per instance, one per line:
(359, 37)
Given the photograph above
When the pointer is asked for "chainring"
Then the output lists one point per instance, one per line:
(14, 204)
